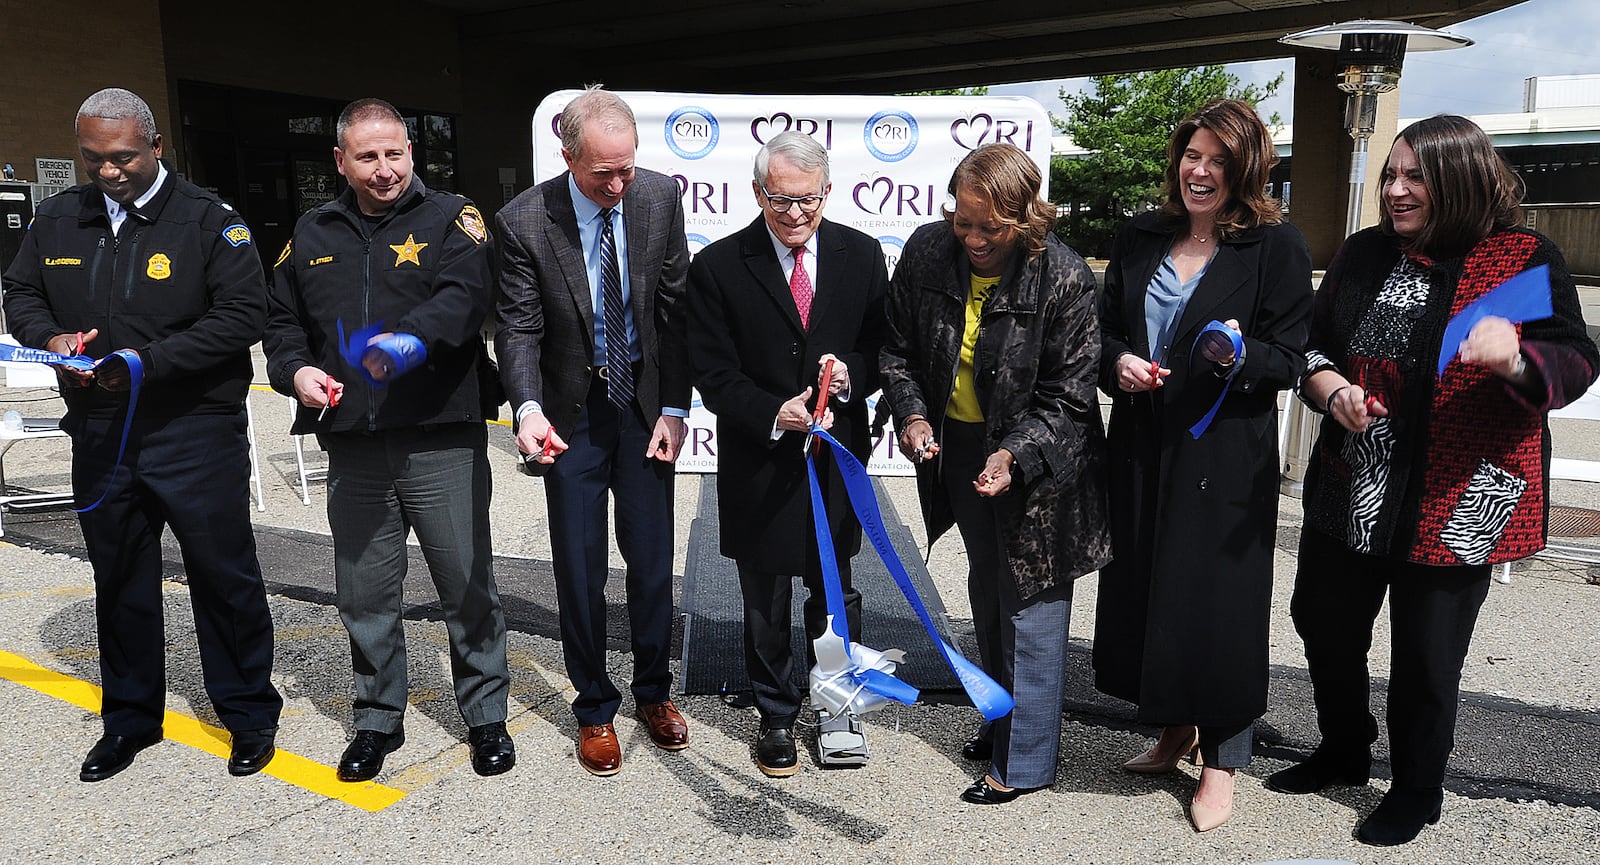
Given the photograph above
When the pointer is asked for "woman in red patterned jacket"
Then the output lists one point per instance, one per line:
(1420, 482)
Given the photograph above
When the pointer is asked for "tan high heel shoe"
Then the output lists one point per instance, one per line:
(1207, 817)
(1149, 763)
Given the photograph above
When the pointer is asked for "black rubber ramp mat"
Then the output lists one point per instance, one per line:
(713, 636)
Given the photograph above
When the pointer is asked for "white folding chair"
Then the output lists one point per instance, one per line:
(306, 474)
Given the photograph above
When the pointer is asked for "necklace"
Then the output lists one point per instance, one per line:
(1199, 238)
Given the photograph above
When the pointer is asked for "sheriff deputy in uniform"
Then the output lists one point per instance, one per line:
(401, 416)
(141, 259)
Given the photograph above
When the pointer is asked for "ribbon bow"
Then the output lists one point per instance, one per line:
(402, 352)
(1237, 340)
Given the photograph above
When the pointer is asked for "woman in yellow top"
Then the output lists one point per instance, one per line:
(990, 368)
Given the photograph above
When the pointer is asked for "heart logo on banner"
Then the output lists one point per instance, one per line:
(865, 187)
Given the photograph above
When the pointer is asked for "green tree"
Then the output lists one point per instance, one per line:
(1123, 121)
(980, 90)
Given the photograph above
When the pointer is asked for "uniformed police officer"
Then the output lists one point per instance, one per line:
(376, 310)
(143, 260)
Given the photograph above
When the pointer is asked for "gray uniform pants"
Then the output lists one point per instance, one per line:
(433, 480)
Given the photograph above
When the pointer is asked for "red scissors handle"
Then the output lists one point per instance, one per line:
(822, 391)
(822, 400)
(1371, 399)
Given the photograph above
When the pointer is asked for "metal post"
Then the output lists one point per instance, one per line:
(1299, 434)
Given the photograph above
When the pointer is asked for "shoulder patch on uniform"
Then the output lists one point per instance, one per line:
(237, 235)
(284, 255)
(471, 222)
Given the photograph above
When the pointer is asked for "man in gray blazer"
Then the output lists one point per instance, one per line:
(592, 353)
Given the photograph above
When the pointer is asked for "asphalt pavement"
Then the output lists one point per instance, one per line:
(1523, 785)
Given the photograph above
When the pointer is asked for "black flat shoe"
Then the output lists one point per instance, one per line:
(775, 752)
(1321, 769)
(492, 750)
(980, 793)
(112, 754)
(252, 751)
(1400, 817)
(363, 759)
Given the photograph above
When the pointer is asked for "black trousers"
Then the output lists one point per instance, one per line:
(1432, 611)
(768, 659)
(192, 474)
(606, 452)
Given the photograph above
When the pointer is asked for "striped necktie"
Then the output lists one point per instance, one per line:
(619, 367)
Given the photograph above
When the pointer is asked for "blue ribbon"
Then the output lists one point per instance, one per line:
(405, 351)
(136, 380)
(1524, 297)
(1237, 339)
(17, 354)
(986, 694)
(85, 363)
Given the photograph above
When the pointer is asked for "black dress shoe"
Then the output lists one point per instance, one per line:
(112, 754)
(492, 750)
(1400, 816)
(978, 748)
(1321, 769)
(363, 759)
(252, 751)
(980, 793)
(775, 753)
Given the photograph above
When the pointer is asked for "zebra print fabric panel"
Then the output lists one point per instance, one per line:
(1479, 518)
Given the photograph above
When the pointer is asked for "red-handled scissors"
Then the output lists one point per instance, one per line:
(822, 398)
(79, 350)
(333, 398)
(1372, 399)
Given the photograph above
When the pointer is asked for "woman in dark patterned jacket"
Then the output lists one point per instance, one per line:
(1181, 625)
(1421, 482)
(990, 369)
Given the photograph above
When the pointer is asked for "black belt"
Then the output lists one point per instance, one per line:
(604, 374)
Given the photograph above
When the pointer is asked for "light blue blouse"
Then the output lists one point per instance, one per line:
(1164, 300)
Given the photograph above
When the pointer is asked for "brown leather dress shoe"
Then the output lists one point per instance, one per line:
(667, 728)
(599, 752)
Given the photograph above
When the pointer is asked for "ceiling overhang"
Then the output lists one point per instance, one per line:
(887, 46)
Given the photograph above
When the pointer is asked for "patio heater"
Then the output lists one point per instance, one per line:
(1370, 55)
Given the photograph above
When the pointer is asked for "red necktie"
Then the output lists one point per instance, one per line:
(800, 287)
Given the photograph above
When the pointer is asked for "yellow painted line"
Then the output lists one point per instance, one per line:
(289, 768)
(268, 389)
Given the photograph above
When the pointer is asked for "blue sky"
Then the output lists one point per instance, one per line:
(1537, 37)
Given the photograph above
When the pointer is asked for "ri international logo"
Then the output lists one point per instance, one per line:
(692, 132)
(890, 135)
(892, 247)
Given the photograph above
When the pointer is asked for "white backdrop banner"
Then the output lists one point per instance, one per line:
(890, 159)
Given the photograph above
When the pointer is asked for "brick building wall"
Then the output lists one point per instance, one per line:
(60, 52)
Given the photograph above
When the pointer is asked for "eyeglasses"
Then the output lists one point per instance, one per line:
(782, 203)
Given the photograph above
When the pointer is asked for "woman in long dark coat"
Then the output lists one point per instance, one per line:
(990, 367)
(1182, 623)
